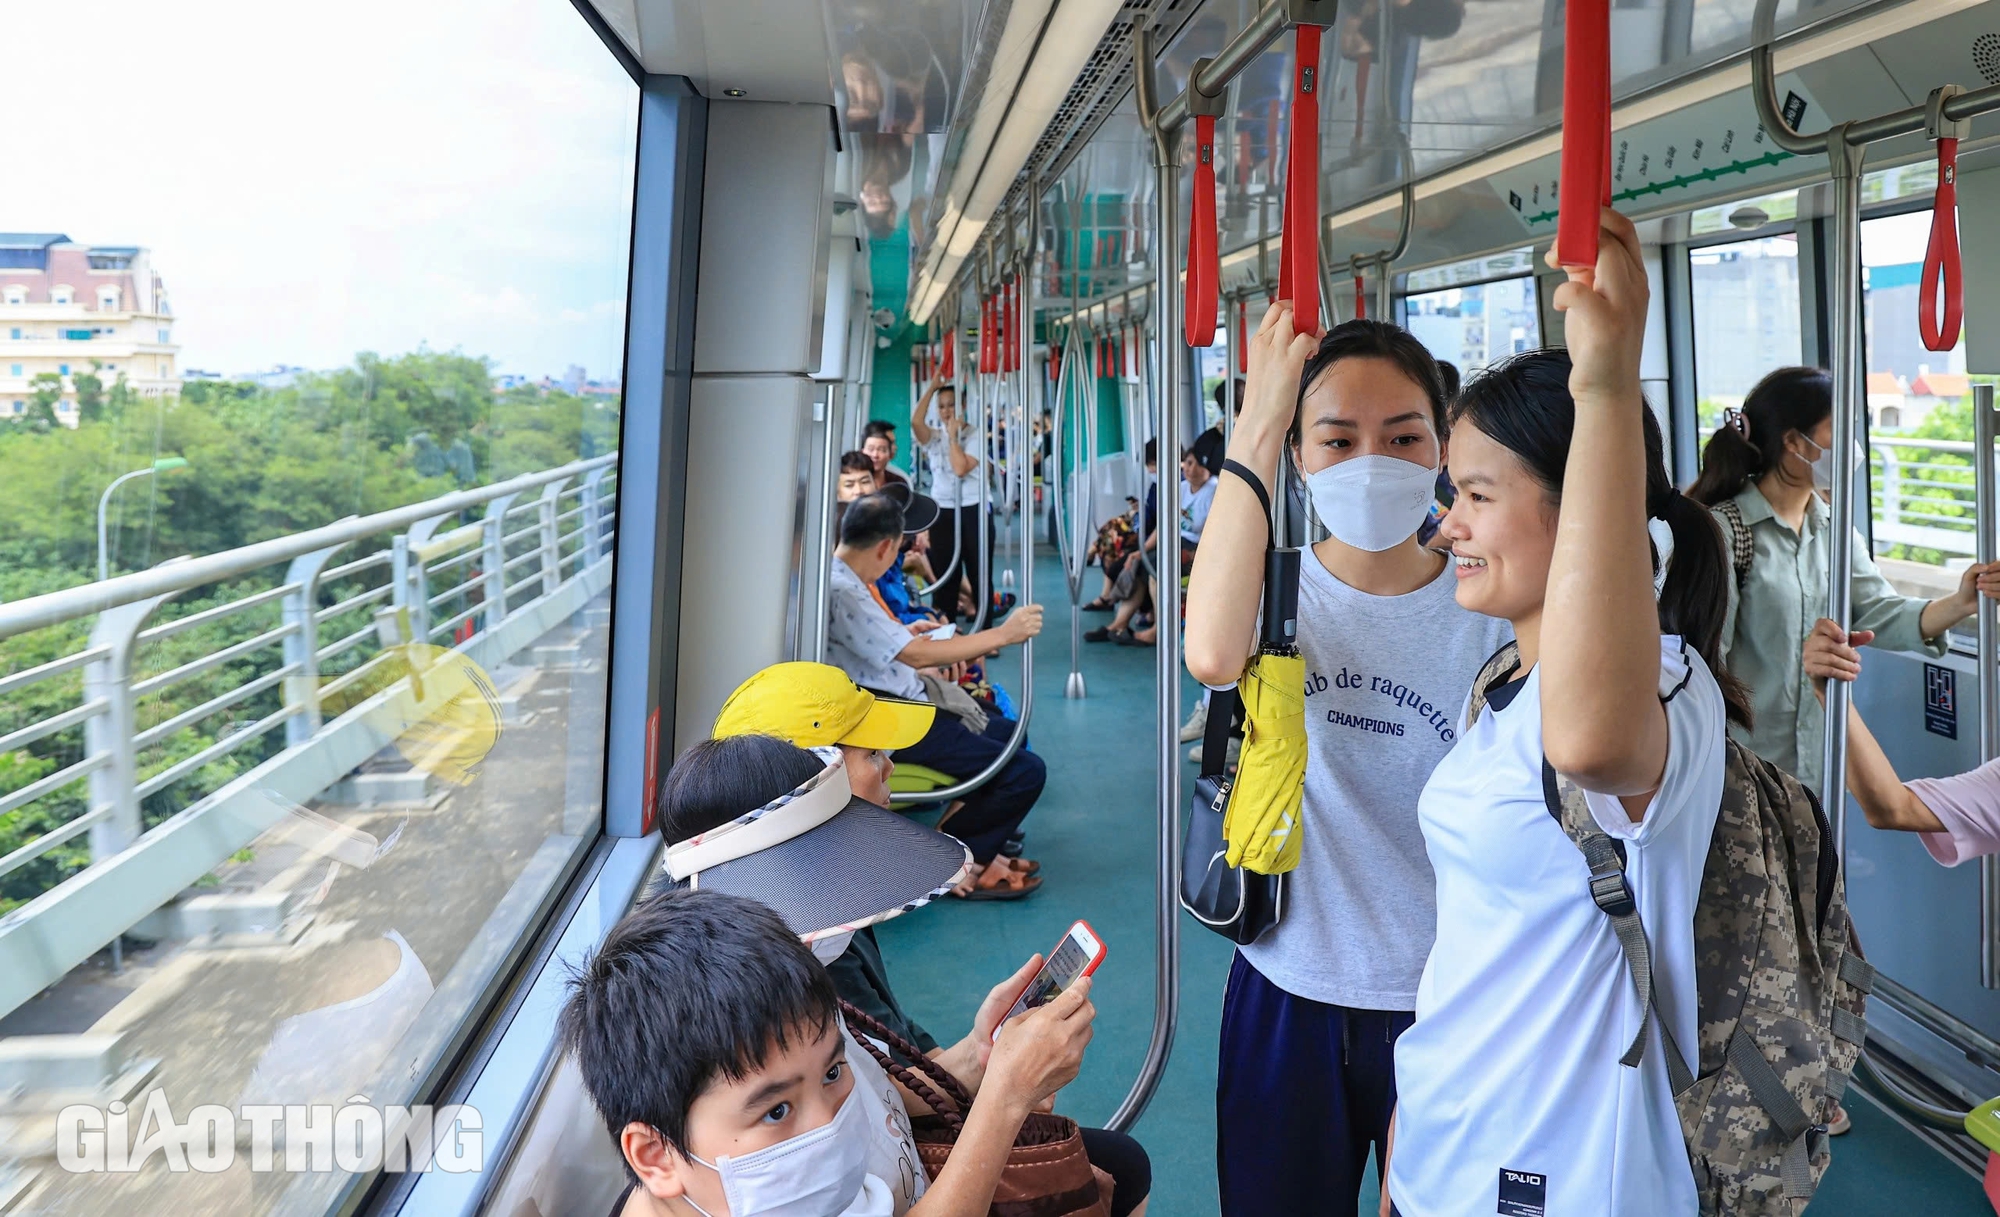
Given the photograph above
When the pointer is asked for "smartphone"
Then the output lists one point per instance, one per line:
(948, 630)
(1074, 958)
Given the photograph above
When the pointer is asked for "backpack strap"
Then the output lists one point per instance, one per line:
(1742, 547)
(1795, 1168)
(1612, 893)
(1499, 666)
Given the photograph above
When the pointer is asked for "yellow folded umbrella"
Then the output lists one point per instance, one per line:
(1262, 823)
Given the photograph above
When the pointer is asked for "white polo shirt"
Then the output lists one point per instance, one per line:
(1510, 1097)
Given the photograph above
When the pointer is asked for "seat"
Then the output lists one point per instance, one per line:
(915, 780)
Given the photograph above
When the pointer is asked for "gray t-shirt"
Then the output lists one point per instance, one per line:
(1386, 678)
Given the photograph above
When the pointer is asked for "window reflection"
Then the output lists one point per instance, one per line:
(269, 836)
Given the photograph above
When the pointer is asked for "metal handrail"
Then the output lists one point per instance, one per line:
(1166, 614)
(109, 710)
(35, 612)
(1068, 547)
(1023, 472)
(1983, 430)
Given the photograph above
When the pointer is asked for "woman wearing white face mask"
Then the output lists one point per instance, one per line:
(1306, 1074)
(1761, 475)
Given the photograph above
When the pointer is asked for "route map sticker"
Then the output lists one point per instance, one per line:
(1675, 156)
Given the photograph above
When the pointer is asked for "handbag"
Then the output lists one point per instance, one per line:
(1239, 904)
(1047, 1174)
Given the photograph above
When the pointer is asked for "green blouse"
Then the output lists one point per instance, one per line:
(1764, 633)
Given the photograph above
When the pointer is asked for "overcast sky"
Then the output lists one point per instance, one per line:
(316, 180)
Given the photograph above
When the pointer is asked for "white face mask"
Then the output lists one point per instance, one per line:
(830, 948)
(1822, 465)
(823, 1173)
(1372, 502)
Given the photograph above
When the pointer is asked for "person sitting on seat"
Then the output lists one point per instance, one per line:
(857, 477)
(879, 442)
(919, 513)
(1957, 817)
(1131, 588)
(885, 656)
(712, 1043)
(874, 865)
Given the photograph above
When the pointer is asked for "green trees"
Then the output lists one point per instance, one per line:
(261, 464)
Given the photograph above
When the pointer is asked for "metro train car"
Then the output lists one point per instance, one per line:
(617, 375)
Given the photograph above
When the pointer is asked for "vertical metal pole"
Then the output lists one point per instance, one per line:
(1989, 675)
(829, 464)
(1844, 163)
(1167, 607)
(1022, 449)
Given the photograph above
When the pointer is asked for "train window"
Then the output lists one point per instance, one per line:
(1919, 415)
(1746, 318)
(275, 825)
(1477, 324)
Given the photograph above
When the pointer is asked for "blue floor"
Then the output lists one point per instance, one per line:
(1093, 832)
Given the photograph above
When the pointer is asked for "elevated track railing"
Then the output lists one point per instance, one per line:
(1923, 495)
(292, 663)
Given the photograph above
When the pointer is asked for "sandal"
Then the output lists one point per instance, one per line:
(1024, 866)
(1103, 633)
(1011, 886)
(1128, 639)
(1099, 605)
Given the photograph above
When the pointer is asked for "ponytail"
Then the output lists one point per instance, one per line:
(1750, 441)
(1523, 404)
(1696, 592)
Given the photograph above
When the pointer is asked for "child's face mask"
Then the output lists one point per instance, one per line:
(823, 1173)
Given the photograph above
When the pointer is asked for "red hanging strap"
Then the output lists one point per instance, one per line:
(1360, 296)
(1243, 334)
(1941, 260)
(950, 361)
(1203, 267)
(989, 338)
(1584, 183)
(1298, 248)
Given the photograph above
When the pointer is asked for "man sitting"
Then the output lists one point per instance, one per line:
(857, 477)
(879, 442)
(884, 655)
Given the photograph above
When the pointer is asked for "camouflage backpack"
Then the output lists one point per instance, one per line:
(1781, 984)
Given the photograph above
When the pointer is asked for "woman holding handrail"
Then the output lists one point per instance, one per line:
(1761, 475)
(955, 474)
(1306, 1081)
(1511, 1076)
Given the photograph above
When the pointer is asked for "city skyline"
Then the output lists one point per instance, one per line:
(345, 196)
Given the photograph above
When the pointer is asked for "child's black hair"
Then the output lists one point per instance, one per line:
(688, 988)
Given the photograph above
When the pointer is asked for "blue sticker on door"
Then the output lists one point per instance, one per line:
(1940, 700)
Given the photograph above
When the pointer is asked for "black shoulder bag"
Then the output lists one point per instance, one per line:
(1241, 905)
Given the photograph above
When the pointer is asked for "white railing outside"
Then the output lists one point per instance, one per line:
(1922, 494)
(543, 540)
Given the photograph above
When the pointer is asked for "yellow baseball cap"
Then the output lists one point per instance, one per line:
(815, 704)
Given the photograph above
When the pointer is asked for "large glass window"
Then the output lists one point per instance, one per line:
(1476, 325)
(270, 832)
(1746, 318)
(1919, 415)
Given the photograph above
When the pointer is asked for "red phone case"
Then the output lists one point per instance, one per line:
(1088, 968)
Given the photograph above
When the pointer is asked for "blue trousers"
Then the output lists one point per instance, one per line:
(1304, 1091)
(994, 811)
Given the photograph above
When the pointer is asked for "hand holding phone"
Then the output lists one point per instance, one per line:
(1073, 958)
(948, 630)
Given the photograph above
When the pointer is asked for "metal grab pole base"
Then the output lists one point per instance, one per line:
(1074, 690)
(1007, 579)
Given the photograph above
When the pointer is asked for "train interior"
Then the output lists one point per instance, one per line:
(244, 808)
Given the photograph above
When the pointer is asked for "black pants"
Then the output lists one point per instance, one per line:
(1304, 1093)
(954, 528)
(1125, 1160)
(992, 812)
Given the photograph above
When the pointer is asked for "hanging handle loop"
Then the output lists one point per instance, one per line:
(1584, 188)
(1360, 290)
(1941, 260)
(1298, 248)
(950, 361)
(1242, 335)
(1204, 268)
